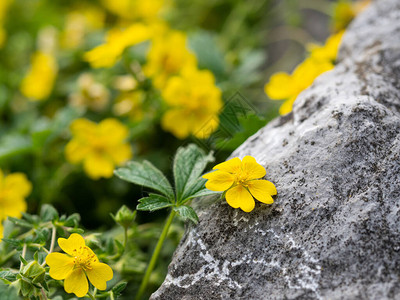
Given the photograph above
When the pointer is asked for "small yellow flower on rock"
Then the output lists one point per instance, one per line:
(79, 262)
(38, 82)
(284, 86)
(117, 40)
(13, 190)
(167, 57)
(100, 147)
(194, 101)
(241, 181)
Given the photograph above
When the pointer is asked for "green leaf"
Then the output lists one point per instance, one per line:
(14, 144)
(189, 164)
(147, 175)
(153, 202)
(208, 55)
(187, 213)
(202, 193)
(8, 292)
(119, 287)
(20, 222)
(48, 213)
(8, 275)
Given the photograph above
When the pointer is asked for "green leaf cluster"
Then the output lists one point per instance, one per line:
(188, 166)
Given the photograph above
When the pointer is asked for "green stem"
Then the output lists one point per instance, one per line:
(91, 296)
(154, 257)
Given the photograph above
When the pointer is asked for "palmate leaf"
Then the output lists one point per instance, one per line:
(187, 213)
(189, 164)
(153, 202)
(147, 175)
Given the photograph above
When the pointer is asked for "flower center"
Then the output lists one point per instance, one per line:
(83, 258)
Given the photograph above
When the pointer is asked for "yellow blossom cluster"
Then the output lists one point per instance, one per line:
(78, 264)
(241, 181)
(191, 96)
(284, 86)
(14, 188)
(100, 147)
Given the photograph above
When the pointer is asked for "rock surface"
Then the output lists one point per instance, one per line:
(334, 229)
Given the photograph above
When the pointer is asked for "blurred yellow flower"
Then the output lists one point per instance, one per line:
(139, 10)
(284, 86)
(100, 147)
(194, 103)
(117, 40)
(4, 5)
(79, 262)
(78, 23)
(38, 82)
(130, 104)
(329, 51)
(345, 11)
(14, 188)
(91, 94)
(168, 56)
(241, 181)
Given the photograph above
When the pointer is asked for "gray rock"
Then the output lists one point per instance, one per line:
(334, 229)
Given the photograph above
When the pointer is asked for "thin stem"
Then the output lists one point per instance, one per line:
(155, 255)
(90, 295)
(23, 255)
(53, 238)
(43, 294)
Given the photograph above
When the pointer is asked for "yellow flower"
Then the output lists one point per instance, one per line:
(345, 11)
(241, 181)
(91, 94)
(100, 147)
(135, 9)
(329, 51)
(38, 82)
(117, 40)
(194, 101)
(130, 104)
(168, 56)
(283, 86)
(79, 262)
(13, 190)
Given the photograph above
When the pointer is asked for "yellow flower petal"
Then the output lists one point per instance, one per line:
(61, 265)
(82, 127)
(76, 283)
(97, 166)
(18, 184)
(238, 196)
(114, 130)
(120, 153)
(252, 169)
(99, 275)
(262, 190)
(287, 106)
(75, 151)
(233, 165)
(12, 206)
(169, 123)
(219, 181)
(280, 86)
(74, 241)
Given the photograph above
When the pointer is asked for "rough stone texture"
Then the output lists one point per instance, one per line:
(334, 229)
